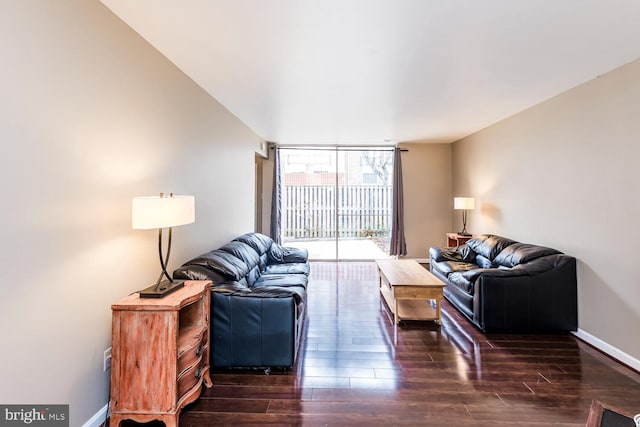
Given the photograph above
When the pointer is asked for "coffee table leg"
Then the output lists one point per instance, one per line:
(395, 324)
(438, 315)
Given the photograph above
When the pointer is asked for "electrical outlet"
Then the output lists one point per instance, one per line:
(106, 361)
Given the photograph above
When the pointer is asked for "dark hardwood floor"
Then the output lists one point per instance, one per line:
(350, 373)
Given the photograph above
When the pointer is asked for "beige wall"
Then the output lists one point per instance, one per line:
(564, 174)
(90, 117)
(426, 176)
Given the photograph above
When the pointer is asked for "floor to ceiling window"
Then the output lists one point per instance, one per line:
(337, 201)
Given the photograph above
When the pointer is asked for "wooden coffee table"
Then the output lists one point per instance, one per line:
(407, 288)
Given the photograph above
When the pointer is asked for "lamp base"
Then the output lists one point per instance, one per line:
(464, 233)
(162, 289)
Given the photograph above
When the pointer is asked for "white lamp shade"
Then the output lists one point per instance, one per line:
(162, 212)
(466, 203)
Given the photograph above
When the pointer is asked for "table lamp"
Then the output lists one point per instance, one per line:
(464, 204)
(162, 212)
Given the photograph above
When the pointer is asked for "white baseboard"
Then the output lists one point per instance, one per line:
(99, 418)
(608, 349)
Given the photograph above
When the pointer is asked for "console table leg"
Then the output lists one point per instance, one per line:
(207, 380)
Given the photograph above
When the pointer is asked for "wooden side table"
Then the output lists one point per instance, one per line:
(160, 354)
(457, 239)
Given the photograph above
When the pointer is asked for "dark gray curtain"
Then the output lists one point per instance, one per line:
(398, 243)
(276, 197)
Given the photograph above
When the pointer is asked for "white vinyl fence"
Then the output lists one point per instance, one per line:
(309, 211)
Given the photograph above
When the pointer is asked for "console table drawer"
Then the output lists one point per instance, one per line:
(192, 350)
(191, 377)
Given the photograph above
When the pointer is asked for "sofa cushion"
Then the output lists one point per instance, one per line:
(448, 267)
(223, 263)
(275, 255)
(489, 245)
(519, 253)
(460, 253)
(457, 279)
(467, 254)
(282, 280)
(438, 254)
(198, 272)
(243, 252)
(294, 255)
(543, 264)
(263, 261)
(259, 242)
(484, 262)
(254, 275)
(288, 268)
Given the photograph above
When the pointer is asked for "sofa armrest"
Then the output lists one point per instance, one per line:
(531, 268)
(236, 289)
(472, 275)
(462, 253)
(546, 301)
(437, 254)
(278, 254)
(293, 255)
(254, 329)
(198, 272)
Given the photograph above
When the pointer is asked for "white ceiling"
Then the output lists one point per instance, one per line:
(366, 71)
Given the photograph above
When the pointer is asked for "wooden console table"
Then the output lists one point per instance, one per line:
(160, 354)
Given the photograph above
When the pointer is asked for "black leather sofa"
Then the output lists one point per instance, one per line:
(258, 300)
(503, 285)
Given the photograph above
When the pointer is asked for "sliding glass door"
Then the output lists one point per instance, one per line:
(336, 202)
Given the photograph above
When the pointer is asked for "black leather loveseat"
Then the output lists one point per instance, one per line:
(258, 300)
(503, 285)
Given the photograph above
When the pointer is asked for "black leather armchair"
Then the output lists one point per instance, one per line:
(503, 285)
(258, 300)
